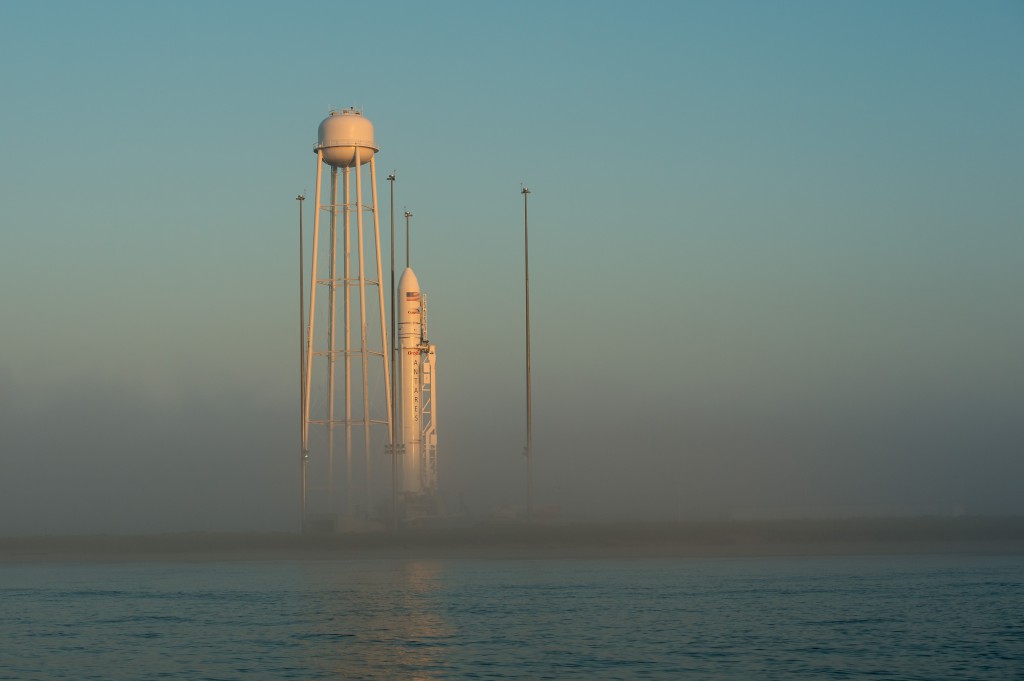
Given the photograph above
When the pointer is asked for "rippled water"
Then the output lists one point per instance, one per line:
(920, 617)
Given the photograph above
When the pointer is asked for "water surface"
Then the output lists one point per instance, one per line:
(902, 617)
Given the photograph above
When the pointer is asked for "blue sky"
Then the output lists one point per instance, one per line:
(775, 249)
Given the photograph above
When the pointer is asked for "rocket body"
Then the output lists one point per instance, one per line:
(411, 347)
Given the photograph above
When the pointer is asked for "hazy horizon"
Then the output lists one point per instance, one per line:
(775, 253)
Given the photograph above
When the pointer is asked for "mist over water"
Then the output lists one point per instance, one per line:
(98, 458)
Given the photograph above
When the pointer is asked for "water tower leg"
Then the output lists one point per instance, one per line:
(349, 505)
(312, 292)
(330, 339)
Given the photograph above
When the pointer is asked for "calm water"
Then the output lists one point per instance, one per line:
(920, 617)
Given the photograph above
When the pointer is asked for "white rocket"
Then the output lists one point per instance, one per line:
(417, 410)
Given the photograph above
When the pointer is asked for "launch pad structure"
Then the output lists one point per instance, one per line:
(348, 399)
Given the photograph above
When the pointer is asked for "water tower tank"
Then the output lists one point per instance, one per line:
(339, 136)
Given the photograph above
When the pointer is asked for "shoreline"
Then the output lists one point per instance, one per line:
(718, 539)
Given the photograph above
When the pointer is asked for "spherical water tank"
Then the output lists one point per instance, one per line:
(341, 134)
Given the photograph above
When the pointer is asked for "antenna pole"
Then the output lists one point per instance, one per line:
(394, 399)
(303, 453)
(529, 405)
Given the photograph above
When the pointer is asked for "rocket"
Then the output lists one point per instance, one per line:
(417, 397)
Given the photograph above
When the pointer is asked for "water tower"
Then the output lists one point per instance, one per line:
(347, 402)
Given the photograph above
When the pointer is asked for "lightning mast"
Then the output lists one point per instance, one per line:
(529, 392)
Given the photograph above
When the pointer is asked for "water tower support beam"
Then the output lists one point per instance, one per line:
(380, 290)
(367, 463)
(349, 505)
(333, 268)
(312, 296)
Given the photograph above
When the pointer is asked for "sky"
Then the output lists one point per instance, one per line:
(775, 252)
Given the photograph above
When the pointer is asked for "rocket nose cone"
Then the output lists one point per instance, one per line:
(408, 282)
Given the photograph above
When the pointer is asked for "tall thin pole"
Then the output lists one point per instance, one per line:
(407, 216)
(394, 410)
(529, 406)
(312, 300)
(303, 454)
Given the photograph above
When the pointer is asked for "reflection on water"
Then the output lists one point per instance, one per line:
(421, 629)
(385, 620)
